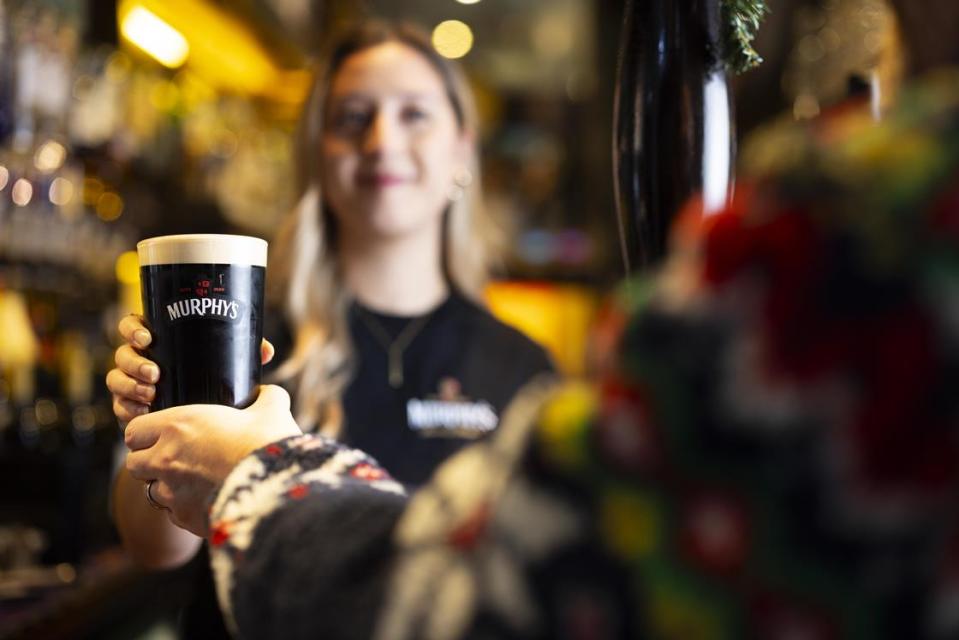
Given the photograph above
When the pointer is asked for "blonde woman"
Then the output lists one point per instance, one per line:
(384, 261)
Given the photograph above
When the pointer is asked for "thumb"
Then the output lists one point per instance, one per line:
(273, 396)
(267, 351)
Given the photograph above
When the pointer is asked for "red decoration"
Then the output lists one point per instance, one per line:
(586, 617)
(777, 617)
(945, 214)
(625, 434)
(298, 492)
(470, 531)
(715, 532)
(219, 534)
(365, 471)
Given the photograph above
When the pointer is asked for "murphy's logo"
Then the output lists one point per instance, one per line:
(450, 414)
(202, 305)
(227, 309)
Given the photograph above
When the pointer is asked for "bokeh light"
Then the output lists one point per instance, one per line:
(22, 192)
(49, 156)
(452, 39)
(92, 190)
(109, 206)
(154, 36)
(61, 191)
(128, 268)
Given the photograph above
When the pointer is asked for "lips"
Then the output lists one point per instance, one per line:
(381, 180)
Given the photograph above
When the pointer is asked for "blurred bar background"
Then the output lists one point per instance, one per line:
(124, 120)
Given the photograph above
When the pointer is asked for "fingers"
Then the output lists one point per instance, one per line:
(174, 510)
(121, 384)
(162, 496)
(266, 351)
(177, 522)
(138, 465)
(135, 365)
(271, 394)
(131, 382)
(127, 410)
(143, 432)
(152, 489)
(162, 493)
(134, 332)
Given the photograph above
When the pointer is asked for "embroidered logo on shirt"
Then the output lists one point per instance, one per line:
(450, 414)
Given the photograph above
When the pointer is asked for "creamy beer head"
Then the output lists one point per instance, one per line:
(203, 302)
(202, 248)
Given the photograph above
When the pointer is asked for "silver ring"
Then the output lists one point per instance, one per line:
(147, 489)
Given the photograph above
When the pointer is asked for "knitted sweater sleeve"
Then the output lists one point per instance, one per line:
(337, 506)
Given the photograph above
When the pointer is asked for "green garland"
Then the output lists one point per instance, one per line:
(741, 19)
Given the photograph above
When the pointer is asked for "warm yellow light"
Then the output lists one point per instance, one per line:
(50, 156)
(164, 96)
(468, 1)
(4, 177)
(61, 191)
(452, 39)
(223, 50)
(154, 36)
(119, 67)
(109, 206)
(193, 90)
(128, 268)
(92, 189)
(22, 192)
(560, 317)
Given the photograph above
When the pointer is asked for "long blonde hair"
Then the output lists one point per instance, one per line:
(308, 278)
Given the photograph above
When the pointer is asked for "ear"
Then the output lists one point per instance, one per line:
(465, 148)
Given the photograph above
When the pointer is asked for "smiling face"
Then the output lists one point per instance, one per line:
(391, 144)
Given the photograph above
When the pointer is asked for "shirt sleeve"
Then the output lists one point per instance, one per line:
(337, 506)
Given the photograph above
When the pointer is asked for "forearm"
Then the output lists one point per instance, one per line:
(301, 540)
(147, 533)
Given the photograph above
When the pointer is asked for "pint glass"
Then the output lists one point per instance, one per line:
(203, 304)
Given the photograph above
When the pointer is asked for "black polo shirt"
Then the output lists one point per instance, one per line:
(460, 369)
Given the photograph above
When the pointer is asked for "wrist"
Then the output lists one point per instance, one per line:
(277, 434)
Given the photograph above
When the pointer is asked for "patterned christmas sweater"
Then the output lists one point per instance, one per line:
(772, 453)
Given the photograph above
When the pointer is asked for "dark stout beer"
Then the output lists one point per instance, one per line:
(203, 303)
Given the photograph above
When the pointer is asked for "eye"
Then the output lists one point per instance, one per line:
(413, 114)
(352, 118)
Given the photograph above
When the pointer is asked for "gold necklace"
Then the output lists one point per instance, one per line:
(394, 346)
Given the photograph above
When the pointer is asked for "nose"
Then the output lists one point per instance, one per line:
(383, 134)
